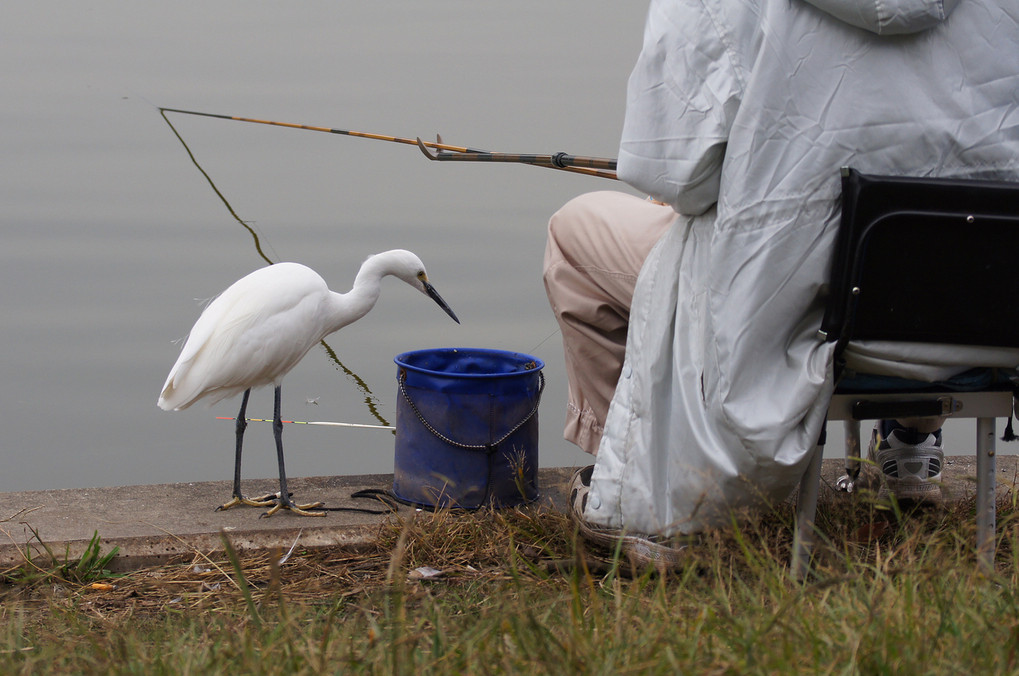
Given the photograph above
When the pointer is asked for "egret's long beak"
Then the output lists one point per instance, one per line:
(434, 295)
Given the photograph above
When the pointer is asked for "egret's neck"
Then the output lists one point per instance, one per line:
(347, 308)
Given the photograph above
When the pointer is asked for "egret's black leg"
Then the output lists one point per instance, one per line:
(242, 424)
(238, 497)
(284, 501)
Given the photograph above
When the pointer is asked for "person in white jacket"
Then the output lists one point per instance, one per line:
(690, 329)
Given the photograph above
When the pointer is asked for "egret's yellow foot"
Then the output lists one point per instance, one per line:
(265, 501)
(295, 508)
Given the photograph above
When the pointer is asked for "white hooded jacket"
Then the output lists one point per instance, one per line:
(740, 114)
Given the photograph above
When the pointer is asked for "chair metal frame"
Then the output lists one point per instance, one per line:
(866, 305)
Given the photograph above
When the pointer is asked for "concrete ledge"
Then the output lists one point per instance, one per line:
(153, 524)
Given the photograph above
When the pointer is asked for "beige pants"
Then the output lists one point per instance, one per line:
(597, 244)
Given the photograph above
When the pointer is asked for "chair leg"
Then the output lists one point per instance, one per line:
(986, 492)
(806, 510)
(847, 482)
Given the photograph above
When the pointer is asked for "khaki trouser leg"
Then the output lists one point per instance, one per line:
(596, 246)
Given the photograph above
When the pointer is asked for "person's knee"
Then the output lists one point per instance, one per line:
(567, 223)
(573, 229)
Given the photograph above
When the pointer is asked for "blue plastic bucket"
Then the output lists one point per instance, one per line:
(467, 427)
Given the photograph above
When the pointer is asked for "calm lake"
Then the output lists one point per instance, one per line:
(113, 232)
(112, 236)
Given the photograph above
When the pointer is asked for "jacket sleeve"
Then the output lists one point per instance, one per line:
(681, 99)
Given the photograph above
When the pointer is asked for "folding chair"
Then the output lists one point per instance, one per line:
(920, 261)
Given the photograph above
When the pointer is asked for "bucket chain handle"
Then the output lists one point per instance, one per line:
(472, 447)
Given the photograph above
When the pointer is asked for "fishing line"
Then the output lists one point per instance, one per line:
(212, 184)
(544, 340)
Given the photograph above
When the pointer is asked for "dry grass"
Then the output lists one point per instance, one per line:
(464, 547)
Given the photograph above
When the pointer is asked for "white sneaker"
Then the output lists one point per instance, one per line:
(911, 471)
(661, 552)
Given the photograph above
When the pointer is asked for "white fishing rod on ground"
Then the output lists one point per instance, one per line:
(324, 423)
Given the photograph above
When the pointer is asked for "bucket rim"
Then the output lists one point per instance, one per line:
(401, 361)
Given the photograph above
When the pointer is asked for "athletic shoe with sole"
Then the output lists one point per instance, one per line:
(910, 462)
(641, 550)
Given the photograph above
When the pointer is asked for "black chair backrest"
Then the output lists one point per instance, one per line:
(925, 260)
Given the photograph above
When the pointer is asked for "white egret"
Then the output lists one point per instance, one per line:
(260, 328)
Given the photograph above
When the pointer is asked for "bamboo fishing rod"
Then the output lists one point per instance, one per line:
(328, 130)
(590, 166)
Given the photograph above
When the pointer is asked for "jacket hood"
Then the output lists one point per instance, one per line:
(888, 17)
